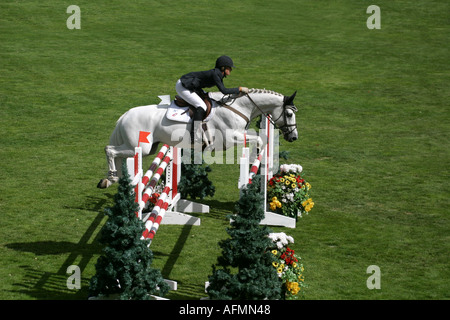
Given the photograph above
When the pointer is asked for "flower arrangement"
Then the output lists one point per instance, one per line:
(154, 197)
(288, 266)
(288, 192)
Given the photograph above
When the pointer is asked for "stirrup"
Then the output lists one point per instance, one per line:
(196, 132)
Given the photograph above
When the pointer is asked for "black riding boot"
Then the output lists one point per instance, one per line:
(197, 118)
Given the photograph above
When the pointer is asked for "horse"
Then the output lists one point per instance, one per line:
(230, 113)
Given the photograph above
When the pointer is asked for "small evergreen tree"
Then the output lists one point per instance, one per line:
(194, 181)
(124, 267)
(247, 250)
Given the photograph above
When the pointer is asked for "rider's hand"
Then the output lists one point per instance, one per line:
(243, 89)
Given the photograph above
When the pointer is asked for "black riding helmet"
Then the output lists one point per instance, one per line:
(224, 61)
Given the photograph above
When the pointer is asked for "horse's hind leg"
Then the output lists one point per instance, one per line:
(114, 155)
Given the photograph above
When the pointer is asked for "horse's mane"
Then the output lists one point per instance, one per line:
(226, 98)
(253, 90)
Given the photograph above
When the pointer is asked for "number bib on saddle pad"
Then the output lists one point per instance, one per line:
(181, 114)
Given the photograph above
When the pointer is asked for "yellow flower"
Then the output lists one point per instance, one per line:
(295, 291)
(308, 204)
(274, 199)
(295, 288)
(288, 182)
(280, 270)
(278, 204)
(308, 185)
(281, 180)
(275, 264)
(294, 265)
(292, 287)
(293, 186)
(274, 251)
(273, 206)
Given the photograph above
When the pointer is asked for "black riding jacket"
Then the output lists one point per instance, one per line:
(206, 79)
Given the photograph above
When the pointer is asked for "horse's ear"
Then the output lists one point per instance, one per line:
(290, 100)
(293, 96)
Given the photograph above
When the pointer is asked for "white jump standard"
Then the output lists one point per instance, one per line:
(168, 204)
(168, 160)
(266, 162)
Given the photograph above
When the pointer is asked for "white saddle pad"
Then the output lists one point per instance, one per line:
(181, 114)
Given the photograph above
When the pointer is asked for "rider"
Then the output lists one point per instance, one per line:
(191, 83)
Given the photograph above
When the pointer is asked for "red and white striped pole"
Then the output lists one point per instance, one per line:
(162, 202)
(255, 166)
(159, 157)
(151, 186)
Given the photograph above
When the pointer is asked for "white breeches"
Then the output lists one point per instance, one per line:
(189, 96)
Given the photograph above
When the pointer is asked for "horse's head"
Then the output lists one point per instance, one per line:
(284, 118)
(265, 102)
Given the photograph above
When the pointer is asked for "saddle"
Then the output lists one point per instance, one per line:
(203, 95)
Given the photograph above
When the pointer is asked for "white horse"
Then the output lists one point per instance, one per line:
(229, 114)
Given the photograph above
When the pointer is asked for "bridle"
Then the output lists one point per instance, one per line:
(285, 128)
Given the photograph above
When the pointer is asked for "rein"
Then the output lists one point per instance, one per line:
(273, 122)
(262, 112)
(284, 127)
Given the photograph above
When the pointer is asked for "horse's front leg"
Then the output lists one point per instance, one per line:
(239, 138)
(251, 140)
(259, 146)
(255, 140)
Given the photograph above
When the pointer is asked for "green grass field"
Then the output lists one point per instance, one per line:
(373, 135)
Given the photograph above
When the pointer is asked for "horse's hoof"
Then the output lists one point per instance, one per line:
(103, 184)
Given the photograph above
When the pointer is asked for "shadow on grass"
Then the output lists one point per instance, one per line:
(44, 285)
(187, 291)
(217, 209)
(175, 253)
(52, 285)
